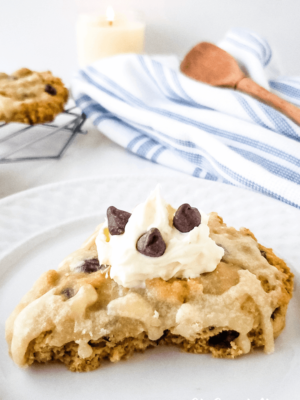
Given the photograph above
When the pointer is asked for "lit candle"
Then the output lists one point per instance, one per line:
(104, 36)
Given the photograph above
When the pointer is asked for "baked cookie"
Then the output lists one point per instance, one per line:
(31, 97)
(156, 276)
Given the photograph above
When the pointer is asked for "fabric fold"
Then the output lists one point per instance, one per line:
(146, 105)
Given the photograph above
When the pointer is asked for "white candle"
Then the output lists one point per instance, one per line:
(104, 36)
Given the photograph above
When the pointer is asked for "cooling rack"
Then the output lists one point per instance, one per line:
(20, 142)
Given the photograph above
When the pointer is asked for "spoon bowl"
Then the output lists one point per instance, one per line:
(212, 65)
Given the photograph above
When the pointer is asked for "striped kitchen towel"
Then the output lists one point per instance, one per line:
(147, 106)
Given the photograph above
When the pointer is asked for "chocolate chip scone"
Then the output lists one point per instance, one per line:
(31, 97)
(156, 276)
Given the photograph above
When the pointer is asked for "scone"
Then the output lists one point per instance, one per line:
(31, 97)
(156, 276)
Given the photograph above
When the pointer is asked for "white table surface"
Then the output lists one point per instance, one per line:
(90, 155)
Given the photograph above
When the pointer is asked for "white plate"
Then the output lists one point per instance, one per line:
(41, 226)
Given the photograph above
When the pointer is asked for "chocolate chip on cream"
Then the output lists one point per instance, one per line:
(186, 218)
(117, 220)
(186, 255)
(151, 243)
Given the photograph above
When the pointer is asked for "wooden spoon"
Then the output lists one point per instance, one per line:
(210, 64)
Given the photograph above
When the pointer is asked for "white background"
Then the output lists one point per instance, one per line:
(40, 34)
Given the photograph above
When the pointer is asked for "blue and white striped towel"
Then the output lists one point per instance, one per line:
(147, 106)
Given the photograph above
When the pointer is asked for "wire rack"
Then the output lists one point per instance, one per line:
(20, 142)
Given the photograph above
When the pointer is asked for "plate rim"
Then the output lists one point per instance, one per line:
(28, 194)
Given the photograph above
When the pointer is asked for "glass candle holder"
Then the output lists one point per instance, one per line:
(106, 33)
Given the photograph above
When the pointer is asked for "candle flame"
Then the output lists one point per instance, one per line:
(110, 15)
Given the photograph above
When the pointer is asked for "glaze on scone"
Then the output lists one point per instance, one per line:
(31, 97)
(81, 318)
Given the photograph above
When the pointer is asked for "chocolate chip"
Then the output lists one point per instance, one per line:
(90, 266)
(211, 328)
(163, 337)
(151, 243)
(50, 90)
(263, 253)
(275, 312)
(186, 218)
(223, 339)
(68, 292)
(117, 220)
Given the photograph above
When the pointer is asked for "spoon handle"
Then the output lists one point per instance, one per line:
(248, 86)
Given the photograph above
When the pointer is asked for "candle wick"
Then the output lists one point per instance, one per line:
(110, 23)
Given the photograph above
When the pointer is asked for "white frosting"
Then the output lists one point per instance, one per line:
(136, 307)
(46, 313)
(187, 255)
(192, 318)
(84, 349)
